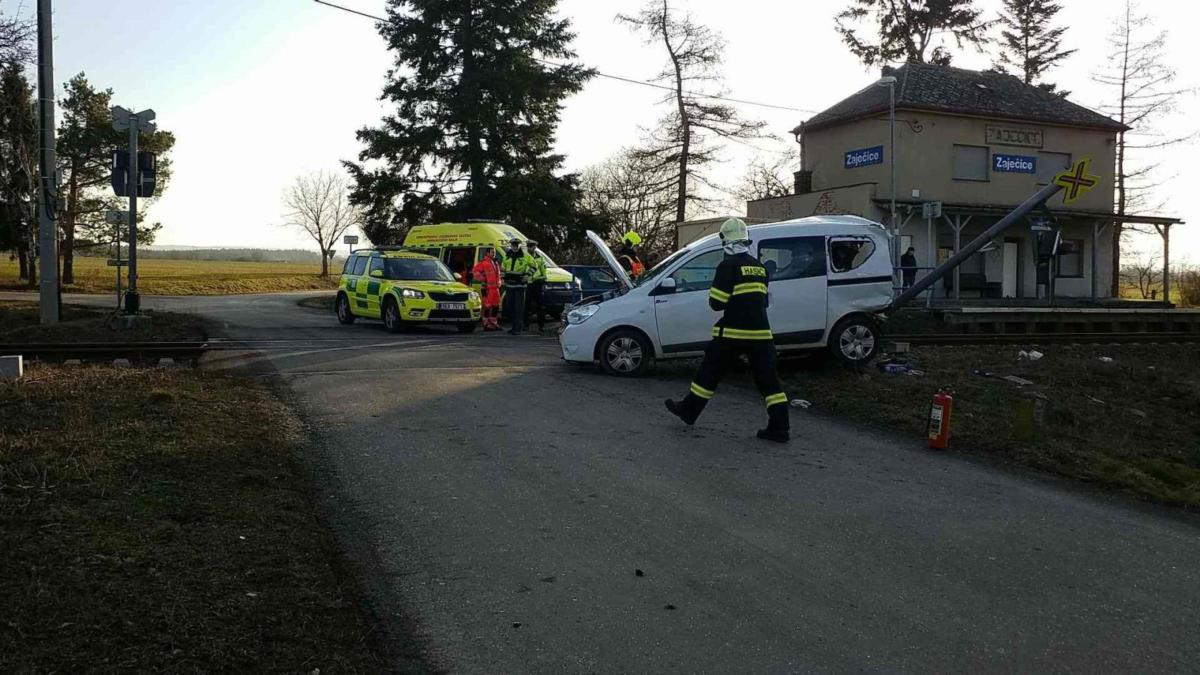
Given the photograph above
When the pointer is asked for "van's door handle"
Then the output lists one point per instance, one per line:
(659, 302)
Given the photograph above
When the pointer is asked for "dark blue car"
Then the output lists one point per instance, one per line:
(595, 280)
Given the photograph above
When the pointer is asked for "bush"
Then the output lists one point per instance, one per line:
(1189, 288)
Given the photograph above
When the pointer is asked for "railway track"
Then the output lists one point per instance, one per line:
(1047, 338)
(95, 351)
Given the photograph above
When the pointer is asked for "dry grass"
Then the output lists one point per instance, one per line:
(155, 521)
(19, 323)
(187, 277)
(1130, 424)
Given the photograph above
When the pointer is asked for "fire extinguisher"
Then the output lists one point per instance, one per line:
(939, 419)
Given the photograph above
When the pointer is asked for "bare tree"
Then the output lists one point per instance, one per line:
(684, 141)
(629, 191)
(1143, 273)
(1142, 93)
(16, 40)
(768, 177)
(319, 204)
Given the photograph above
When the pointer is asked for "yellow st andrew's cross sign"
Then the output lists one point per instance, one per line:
(1076, 180)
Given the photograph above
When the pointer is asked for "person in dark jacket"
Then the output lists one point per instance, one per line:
(739, 290)
(908, 266)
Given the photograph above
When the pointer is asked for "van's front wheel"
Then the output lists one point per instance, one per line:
(344, 315)
(625, 353)
(855, 341)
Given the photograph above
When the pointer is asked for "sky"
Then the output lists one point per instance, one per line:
(260, 91)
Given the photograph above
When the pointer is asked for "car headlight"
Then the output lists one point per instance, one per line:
(474, 296)
(412, 293)
(581, 314)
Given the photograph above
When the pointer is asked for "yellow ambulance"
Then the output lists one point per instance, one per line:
(460, 246)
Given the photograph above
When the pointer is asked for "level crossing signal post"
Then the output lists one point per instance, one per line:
(134, 174)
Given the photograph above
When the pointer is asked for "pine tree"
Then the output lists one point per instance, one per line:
(1029, 44)
(476, 107)
(18, 168)
(908, 29)
(1141, 93)
(685, 140)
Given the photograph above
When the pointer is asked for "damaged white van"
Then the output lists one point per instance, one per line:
(830, 276)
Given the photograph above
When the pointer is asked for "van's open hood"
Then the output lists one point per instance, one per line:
(607, 254)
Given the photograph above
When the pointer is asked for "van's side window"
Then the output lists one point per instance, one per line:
(793, 258)
(847, 253)
(697, 274)
(349, 266)
(376, 264)
(360, 265)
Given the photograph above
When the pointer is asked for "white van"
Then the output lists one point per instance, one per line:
(830, 276)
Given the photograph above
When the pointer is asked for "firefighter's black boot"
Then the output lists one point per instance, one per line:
(685, 410)
(778, 425)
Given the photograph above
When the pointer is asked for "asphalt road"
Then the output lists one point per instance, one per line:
(502, 501)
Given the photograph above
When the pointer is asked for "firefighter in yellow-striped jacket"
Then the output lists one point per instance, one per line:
(739, 290)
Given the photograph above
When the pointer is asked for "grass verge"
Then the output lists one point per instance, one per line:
(187, 277)
(1131, 423)
(322, 302)
(19, 322)
(155, 520)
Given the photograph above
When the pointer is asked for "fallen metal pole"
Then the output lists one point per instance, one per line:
(976, 244)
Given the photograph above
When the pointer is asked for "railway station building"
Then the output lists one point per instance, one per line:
(978, 143)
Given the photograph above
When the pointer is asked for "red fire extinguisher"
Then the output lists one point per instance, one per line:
(939, 419)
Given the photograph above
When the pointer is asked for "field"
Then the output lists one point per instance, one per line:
(187, 277)
(1127, 423)
(157, 521)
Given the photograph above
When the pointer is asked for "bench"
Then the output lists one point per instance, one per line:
(974, 281)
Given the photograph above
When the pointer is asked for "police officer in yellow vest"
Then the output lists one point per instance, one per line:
(739, 290)
(516, 271)
(537, 285)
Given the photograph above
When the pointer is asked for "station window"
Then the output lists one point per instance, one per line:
(1070, 259)
(1050, 164)
(971, 162)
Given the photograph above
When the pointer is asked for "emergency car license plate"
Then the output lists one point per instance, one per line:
(452, 305)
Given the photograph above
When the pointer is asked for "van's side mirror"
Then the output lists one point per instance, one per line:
(378, 274)
(667, 286)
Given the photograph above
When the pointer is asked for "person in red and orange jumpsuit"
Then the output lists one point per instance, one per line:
(487, 278)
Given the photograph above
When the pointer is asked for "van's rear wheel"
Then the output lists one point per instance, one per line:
(625, 353)
(342, 306)
(855, 341)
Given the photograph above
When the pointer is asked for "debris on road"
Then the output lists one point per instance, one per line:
(800, 403)
(1032, 355)
(1106, 359)
(12, 367)
(638, 573)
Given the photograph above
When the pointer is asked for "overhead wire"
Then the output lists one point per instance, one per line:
(618, 78)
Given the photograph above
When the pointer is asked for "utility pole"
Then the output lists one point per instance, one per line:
(132, 300)
(47, 170)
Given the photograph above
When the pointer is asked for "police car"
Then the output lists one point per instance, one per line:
(830, 277)
(404, 288)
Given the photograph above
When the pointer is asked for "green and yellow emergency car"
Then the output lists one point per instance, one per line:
(461, 245)
(404, 288)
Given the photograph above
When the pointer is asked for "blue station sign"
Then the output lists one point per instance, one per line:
(1014, 163)
(864, 157)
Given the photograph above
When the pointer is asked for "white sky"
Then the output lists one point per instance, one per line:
(258, 91)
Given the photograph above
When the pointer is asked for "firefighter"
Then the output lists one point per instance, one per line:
(515, 271)
(739, 290)
(537, 284)
(628, 255)
(487, 279)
